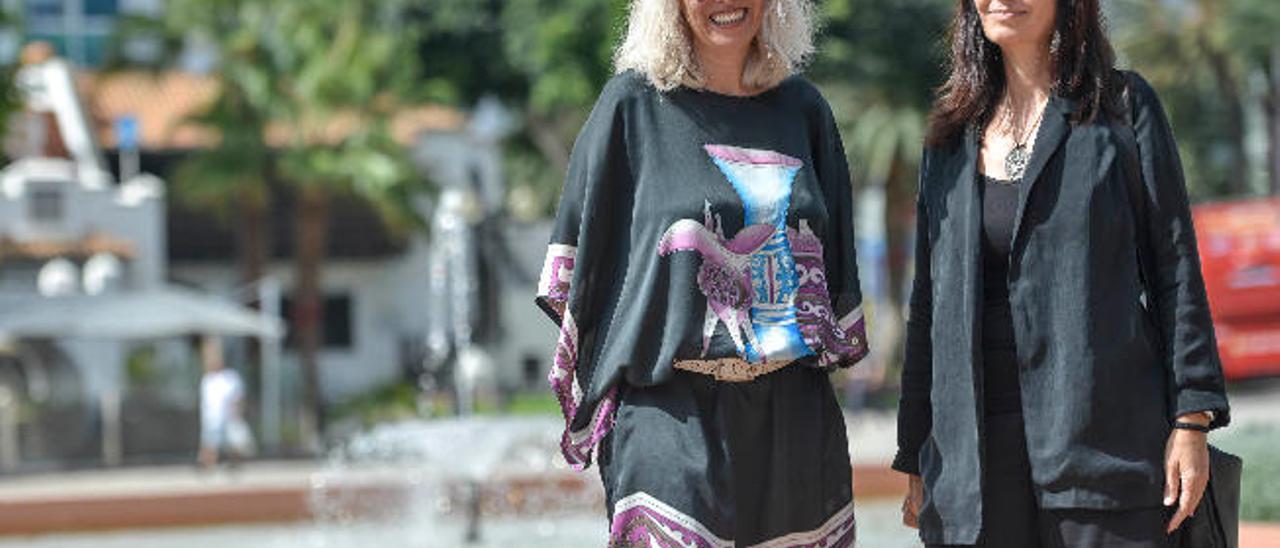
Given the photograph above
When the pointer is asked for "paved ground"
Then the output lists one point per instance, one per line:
(293, 484)
(877, 528)
(153, 480)
(1255, 401)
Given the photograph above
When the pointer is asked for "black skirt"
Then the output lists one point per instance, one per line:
(699, 462)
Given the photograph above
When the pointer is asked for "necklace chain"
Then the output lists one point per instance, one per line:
(1020, 138)
(1015, 161)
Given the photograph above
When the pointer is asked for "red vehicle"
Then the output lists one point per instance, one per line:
(1240, 257)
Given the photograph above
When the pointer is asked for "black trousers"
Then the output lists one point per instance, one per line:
(1011, 517)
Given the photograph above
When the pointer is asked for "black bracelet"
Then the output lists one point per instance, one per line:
(1191, 426)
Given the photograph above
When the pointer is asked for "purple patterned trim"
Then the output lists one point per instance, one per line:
(640, 520)
(853, 318)
(855, 328)
(577, 445)
(557, 273)
(836, 342)
(839, 531)
(751, 156)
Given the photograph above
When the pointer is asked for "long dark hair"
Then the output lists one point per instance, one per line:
(1083, 69)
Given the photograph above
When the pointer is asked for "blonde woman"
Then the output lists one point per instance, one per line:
(702, 274)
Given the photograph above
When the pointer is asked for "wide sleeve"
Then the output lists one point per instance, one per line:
(577, 275)
(915, 409)
(840, 255)
(1176, 284)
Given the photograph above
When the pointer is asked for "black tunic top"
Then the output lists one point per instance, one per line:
(1000, 391)
(695, 225)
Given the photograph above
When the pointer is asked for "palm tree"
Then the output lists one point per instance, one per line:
(305, 92)
(878, 63)
(1202, 56)
(233, 175)
(336, 64)
(1250, 29)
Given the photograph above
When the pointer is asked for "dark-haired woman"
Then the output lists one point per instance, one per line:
(1061, 368)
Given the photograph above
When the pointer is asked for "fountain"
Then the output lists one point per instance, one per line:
(474, 481)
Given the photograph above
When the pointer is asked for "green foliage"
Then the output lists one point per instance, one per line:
(389, 403)
(334, 59)
(547, 58)
(530, 169)
(140, 365)
(878, 63)
(448, 27)
(325, 77)
(239, 166)
(1251, 26)
(1205, 58)
(567, 55)
(1258, 445)
(534, 404)
(10, 99)
(548, 55)
(892, 49)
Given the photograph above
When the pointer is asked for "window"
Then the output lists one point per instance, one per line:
(338, 330)
(79, 30)
(54, 8)
(101, 7)
(19, 276)
(36, 8)
(45, 202)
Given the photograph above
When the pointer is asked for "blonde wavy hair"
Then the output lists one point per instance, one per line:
(658, 45)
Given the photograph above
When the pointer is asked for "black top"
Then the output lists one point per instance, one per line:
(999, 204)
(1000, 390)
(695, 225)
(1102, 377)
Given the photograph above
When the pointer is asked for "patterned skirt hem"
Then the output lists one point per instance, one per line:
(640, 520)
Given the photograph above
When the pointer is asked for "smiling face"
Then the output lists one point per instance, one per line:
(1017, 23)
(721, 27)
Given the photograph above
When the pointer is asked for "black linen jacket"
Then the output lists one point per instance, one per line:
(1102, 377)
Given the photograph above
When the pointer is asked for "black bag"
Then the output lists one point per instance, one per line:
(1216, 523)
(1216, 520)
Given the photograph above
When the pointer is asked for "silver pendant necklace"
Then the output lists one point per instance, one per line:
(1015, 162)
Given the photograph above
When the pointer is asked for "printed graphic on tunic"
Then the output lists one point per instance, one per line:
(767, 283)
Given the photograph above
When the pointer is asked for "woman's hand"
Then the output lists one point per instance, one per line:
(1186, 469)
(914, 500)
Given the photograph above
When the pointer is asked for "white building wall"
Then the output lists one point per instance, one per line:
(132, 213)
(389, 304)
(384, 308)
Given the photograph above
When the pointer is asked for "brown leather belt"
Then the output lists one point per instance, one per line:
(731, 369)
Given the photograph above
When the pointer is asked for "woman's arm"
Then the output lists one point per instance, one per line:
(1176, 285)
(839, 244)
(915, 410)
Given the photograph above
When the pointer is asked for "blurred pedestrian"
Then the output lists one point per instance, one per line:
(1061, 369)
(223, 430)
(702, 272)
